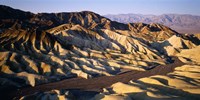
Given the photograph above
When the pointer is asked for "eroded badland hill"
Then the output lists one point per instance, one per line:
(44, 55)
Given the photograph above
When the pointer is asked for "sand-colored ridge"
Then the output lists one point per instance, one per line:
(183, 83)
(173, 45)
(190, 55)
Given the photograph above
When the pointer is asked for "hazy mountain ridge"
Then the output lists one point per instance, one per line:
(182, 23)
(46, 47)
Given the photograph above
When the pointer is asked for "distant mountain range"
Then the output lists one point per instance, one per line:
(182, 23)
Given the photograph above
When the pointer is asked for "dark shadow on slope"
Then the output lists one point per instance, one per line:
(101, 33)
(171, 91)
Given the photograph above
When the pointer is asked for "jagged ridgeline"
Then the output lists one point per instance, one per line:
(46, 47)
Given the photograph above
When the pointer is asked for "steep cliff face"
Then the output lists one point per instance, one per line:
(46, 47)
